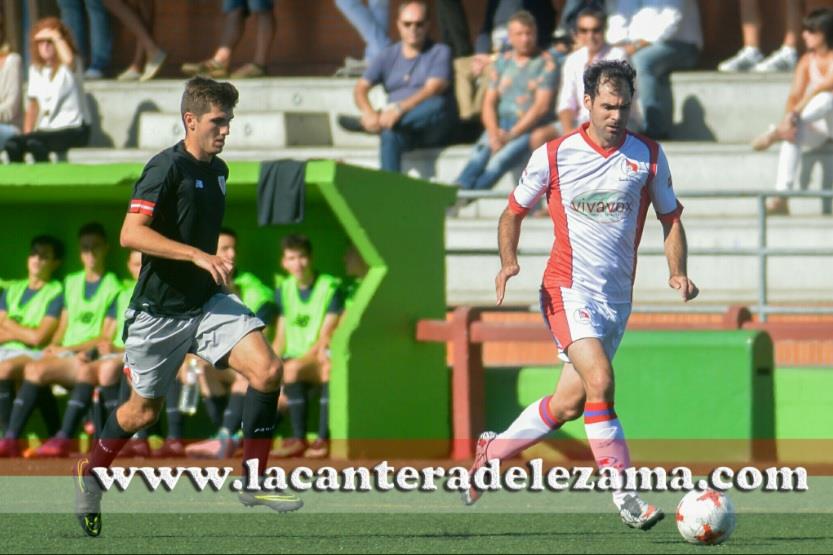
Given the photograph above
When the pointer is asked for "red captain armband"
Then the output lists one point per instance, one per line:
(139, 206)
(516, 208)
(673, 216)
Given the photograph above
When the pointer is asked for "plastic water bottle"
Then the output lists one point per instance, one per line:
(190, 396)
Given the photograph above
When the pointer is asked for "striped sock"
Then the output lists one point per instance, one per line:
(533, 424)
(607, 440)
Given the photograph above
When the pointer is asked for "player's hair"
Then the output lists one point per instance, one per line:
(54, 243)
(92, 228)
(524, 18)
(202, 93)
(423, 5)
(48, 23)
(614, 72)
(228, 231)
(820, 20)
(599, 15)
(296, 242)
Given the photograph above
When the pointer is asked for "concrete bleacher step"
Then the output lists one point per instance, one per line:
(723, 279)
(158, 130)
(117, 107)
(695, 167)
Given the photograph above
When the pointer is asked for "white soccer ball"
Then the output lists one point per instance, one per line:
(705, 517)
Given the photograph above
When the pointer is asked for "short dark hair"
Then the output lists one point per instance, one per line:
(54, 243)
(608, 71)
(92, 228)
(600, 16)
(523, 17)
(820, 21)
(296, 242)
(201, 93)
(228, 231)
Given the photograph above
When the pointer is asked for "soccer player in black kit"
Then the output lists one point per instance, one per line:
(180, 304)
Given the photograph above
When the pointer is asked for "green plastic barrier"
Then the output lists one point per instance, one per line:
(387, 390)
(679, 395)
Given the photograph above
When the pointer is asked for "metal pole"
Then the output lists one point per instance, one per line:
(762, 259)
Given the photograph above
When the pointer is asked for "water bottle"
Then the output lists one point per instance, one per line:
(190, 395)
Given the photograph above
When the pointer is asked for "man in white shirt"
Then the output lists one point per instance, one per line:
(590, 32)
(660, 36)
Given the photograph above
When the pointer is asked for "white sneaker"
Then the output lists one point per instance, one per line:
(471, 495)
(746, 58)
(636, 513)
(782, 60)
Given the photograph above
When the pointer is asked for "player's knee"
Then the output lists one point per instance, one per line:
(34, 372)
(6, 371)
(86, 374)
(569, 412)
(268, 378)
(291, 371)
(599, 386)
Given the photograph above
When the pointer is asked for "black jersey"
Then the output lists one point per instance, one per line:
(185, 199)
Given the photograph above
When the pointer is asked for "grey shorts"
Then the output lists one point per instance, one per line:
(7, 354)
(156, 345)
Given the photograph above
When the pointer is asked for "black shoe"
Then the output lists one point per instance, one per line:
(351, 123)
(87, 499)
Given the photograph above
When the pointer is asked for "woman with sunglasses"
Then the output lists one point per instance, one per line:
(57, 116)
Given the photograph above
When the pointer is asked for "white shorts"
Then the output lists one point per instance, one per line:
(571, 315)
(7, 354)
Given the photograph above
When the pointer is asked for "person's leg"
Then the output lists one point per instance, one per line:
(750, 23)
(101, 38)
(392, 144)
(454, 27)
(110, 376)
(11, 370)
(265, 22)
(136, 19)
(75, 18)
(7, 131)
(478, 159)
(794, 11)
(233, 24)
(513, 153)
(654, 65)
(371, 22)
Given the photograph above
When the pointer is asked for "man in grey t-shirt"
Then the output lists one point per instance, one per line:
(416, 75)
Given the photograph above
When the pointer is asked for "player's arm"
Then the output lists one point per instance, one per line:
(279, 344)
(508, 235)
(801, 79)
(676, 252)
(108, 334)
(137, 234)
(33, 337)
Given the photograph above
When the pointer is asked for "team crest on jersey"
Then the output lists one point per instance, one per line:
(199, 184)
(604, 207)
(582, 315)
(221, 180)
(630, 169)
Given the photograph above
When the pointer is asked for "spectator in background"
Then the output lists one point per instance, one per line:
(147, 56)
(416, 74)
(470, 82)
(236, 12)
(371, 21)
(750, 57)
(659, 36)
(522, 85)
(566, 29)
(57, 116)
(590, 32)
(81, 16)
(808, 121)
(11, 86)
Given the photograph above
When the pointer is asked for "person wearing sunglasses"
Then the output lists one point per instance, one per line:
(416, 75)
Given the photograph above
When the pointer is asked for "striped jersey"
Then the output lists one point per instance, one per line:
(598, 200)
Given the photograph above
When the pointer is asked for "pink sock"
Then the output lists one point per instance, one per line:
(535, 422)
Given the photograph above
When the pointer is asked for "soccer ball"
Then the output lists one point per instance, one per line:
(705, 517)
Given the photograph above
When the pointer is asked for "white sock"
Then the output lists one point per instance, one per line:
(607, 441)
(529, 428)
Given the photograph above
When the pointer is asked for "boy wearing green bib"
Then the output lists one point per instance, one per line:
(88, 295)
(106, 371)
(224, 391)
(29, 313)
(309, 305)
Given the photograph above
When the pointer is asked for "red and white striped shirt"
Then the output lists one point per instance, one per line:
(598, 200)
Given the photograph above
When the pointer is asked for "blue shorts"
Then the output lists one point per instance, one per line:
(248, 6)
